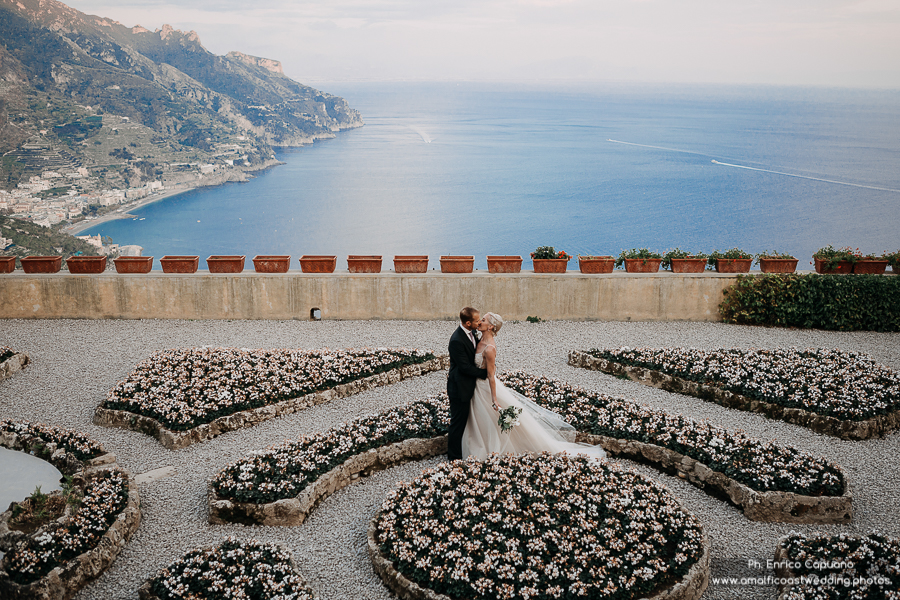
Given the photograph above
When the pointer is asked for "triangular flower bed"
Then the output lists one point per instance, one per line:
(186, 396)
(842, 394)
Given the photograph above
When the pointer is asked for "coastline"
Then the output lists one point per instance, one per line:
(124, 212)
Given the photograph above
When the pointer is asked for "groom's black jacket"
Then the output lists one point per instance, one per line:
(463, 372)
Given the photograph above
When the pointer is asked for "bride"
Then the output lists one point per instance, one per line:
(538, 430)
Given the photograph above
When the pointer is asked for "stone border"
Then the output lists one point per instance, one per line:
(773, 507)
(175, 440)
(293, 511)
(66, 579)
(690, 588)
(843, 429)
(14, 363)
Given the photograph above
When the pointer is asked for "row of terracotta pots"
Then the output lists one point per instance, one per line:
(416, 264)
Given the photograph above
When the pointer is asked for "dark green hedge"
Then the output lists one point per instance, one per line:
(841, 302)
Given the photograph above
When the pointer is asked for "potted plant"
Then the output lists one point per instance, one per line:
(731, 261)
(894, 260)
(271, 263)
(776, 262)
(870, 263)
(596, 264)
(411, 263)
(504, 264)
(357, 263)
(317, 263)
(834, 260)
(225, 264)
(679, 261)
(547, 260)
(84, 265)
(7, 264)
(179, 264)
(457, 264)
(133, 264)
(41, 264)
(639, 260)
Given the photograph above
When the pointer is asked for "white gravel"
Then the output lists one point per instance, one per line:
(75, 363)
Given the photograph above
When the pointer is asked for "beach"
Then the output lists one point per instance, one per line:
(124, 211)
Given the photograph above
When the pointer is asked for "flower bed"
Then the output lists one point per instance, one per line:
(43, 440)
(854, 396)
(234, 569)
(820, 567)
(187, 396)
(10, 361)
(285, 470)
(761, 466)
(537, 526)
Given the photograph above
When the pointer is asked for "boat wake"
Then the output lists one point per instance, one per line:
(736, 166)
(425, 137)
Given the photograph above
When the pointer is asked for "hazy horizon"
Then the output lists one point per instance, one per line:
(832, 43)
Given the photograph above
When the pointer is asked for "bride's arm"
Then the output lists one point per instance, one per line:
(489, 355)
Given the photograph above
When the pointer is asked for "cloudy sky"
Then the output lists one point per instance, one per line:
(819, 42)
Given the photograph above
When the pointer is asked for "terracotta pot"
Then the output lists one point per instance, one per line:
(873, 267)
(596, 264)
(274, 263)
(179, 264)
(411, 264)
(83, 265)
(457, 264)
(642, 265)
(225, 264)
(7, 264)
(358, 263)
(41, 264)
(733, 265)
(550, 265)
(778, 265)
(688, 265)
(317, 263)
(504, 264)
(845, 266)
(133, 264)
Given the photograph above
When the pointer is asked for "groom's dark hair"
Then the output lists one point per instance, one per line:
(467, 314)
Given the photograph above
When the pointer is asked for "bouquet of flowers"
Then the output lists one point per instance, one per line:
(509, 418)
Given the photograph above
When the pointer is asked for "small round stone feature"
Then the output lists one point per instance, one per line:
(537, 526)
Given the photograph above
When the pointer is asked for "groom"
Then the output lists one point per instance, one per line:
(461, 379)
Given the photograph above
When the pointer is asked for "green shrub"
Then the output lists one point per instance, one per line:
(856, 303)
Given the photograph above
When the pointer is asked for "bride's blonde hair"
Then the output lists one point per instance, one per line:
(495, 320)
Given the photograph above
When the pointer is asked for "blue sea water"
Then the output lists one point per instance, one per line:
(483, 169)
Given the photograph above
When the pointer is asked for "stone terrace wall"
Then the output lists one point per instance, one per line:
(573, 296)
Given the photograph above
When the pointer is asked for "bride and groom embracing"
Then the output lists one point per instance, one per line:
(477, 397)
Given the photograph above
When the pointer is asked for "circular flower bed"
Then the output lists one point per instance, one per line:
(844, 385)
(537, 526)
(761, 466)
(823, 567)
(105, 495)
(80, 445)
(285, 470)
(234, 569)
(189, 387)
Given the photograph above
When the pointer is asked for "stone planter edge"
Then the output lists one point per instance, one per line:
(691, 587)
(175, 440)
(294, 511)
(65, 580)
(14, 363)
(844, 429)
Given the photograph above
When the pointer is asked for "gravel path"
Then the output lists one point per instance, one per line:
(75, 363)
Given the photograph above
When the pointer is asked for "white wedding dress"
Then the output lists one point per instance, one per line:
(538, 430)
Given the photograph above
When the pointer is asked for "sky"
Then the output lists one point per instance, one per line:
(848, 43)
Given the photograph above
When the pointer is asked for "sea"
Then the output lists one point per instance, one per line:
(500, 169)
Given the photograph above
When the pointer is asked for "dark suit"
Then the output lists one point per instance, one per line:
(460, 388)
